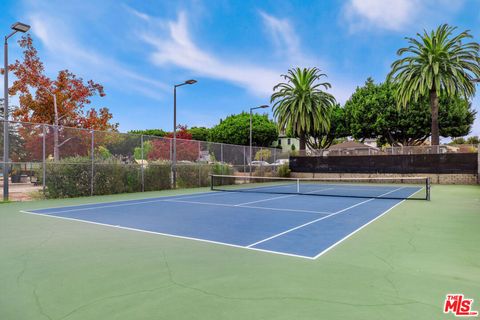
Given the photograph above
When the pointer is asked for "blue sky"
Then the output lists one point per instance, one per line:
(237, 50)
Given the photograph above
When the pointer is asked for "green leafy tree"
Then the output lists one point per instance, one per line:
(300, 105)
(147, 147)
(338, 130)
(101, 152)
(123, 145)
(437, 63)
(456, 116)
(150, 132)
(235, 129)
(473, 140)
(263, 155)
(458, 141)
(199, 133)
(372, 112)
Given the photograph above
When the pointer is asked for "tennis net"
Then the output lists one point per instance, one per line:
(378, 187)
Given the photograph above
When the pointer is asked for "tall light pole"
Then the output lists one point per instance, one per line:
(56, 145)
(251, 135)
(16, 27)
(174, 156)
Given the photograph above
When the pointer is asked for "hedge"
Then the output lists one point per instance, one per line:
(71, 177)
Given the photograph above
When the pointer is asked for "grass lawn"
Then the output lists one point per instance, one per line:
(399, 267)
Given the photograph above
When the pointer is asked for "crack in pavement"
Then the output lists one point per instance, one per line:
(86, 305)
(24, 257)
(280, 298)
(39, 305)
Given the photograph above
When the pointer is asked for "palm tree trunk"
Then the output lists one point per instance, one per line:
(434, 109)
(303, 143)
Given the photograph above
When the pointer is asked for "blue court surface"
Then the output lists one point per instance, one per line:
(290, 224)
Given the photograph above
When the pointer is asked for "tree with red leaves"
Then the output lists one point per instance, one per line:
(37, 94)
(187, 149)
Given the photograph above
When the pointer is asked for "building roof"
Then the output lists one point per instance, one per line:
(350, 145)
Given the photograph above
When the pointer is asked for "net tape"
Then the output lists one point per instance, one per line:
(378, 187)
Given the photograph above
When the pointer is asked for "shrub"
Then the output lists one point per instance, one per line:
(193, 175)
(71, 177)
(284, 170)
(113, 177)
(264, 171)
(263, 155)
(223, 169)
(157, 176)
(68, 178)
(137, 152)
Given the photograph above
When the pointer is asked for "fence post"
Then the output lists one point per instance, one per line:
(199, 151)
(92, 150)
(244, 159)
(221, 153)
(142, 163)
(261, 162)
(478, 165)
(199, 164)
(171, 164)
(44, 165)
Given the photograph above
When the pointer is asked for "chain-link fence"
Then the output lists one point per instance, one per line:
(404, 150)
(54, 162)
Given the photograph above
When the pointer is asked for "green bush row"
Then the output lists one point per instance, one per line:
(71, 177)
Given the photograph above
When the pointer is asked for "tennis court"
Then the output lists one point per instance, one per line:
(297, 217)
(398, 267)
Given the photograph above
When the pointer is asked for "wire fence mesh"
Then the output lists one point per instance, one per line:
(55, 162)
(383, 151)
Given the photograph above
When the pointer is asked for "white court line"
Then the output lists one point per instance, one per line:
(101, 207)
(168, 235)
(269, 199)
(129, 203)
(363, 226)
(135, 201)
(290, 210)
(176, 200)
(316, 220)
(288, 196)
(227, 244)
(355, 231)
(252, 207)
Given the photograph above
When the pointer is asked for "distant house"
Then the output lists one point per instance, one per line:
(286, 143)
(370, 142)
(351, 148)
(344, 148)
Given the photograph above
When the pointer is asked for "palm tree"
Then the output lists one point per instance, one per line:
(437, 63)
(300, 106)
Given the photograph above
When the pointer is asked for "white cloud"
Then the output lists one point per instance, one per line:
(61, 43)
(392, 14)
(176, 47)
(398, 15)
(287, 43)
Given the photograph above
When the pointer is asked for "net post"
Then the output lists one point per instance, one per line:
(211, 182)
(298, 185)
(142, 163)
(428, 188)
